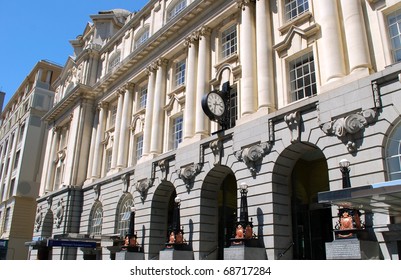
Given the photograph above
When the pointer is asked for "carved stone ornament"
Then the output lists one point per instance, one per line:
(345, 128)
(143, 186)
(125, 185)
(59, 214)
(253, 155)
(216, 147)
(293, 121)
(188, 173)
(38, 218)
(96, 189)
(163, 165)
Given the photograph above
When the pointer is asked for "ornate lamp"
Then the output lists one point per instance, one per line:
(243, 218)
(344, 168)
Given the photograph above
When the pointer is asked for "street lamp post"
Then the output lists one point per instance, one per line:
(344, 168)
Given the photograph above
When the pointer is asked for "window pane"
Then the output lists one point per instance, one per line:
(302, 77)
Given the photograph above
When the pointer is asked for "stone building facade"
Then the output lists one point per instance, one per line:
(308, 83)
(22, 140)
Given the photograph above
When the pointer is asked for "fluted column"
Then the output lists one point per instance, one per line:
(52, 166)
(147, 132)
(355, 34)
(203, 77)
(265, 57)
(158, 112)
(117, 126)
(124, 129)
(98, 153)
(190, 88)
(331, 48)
(247, 57)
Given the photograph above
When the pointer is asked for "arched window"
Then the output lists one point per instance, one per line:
(393, 154)
(175, 8)
(114, 60)
(141, 37)
(124, 214)
(96, 219)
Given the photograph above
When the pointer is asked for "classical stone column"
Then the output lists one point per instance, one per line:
(122, 158)
(52, 165)
(117, 127)
(98, 149)
(355, 34)
(158, 112)
(147, 132)
(247, 58)
(203, 77)
(265, 56)
(331, 49)
(190, 88)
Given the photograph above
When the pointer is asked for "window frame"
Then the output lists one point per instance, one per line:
(391, 37)
(297, 64)
(232, 42)
(175, 142)
(293, 13)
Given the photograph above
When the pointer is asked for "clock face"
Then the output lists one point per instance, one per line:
(215, 103)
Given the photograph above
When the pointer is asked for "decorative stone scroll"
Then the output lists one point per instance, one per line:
(253, 155)
(345, 128)
(143, 186)
(293, 121)
(188, 173)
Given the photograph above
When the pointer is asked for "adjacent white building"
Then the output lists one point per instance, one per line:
(310, 83)
(22, 142)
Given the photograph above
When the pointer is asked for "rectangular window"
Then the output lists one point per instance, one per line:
(143, 96)
(16, 162)
(229, 42)
(177, 132)
(139, 147)
(57, 178)
(233, 106)
(7, 219)
(113, 115)
(302, 77)
(21, 133)
(11, 191)
(294, 8)
(394, 27)
(108, 160)
(180, 73)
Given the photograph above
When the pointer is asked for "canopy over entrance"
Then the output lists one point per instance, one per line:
(382, 197)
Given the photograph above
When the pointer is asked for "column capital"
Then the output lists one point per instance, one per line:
(204, 31)
(191, 39)
(102, 105)
(242, 4)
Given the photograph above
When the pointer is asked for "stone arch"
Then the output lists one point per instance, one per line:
(161, 214)
(218, 206)
(299, 173)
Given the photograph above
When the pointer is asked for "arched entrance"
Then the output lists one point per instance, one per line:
(161, 217)
(311, 223)
(218, 212)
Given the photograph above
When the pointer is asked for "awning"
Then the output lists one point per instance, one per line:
(382, 197)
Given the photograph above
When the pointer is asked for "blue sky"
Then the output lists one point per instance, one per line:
(34, 30)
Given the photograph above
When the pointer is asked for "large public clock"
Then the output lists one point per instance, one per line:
(214, 105)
